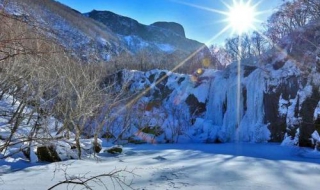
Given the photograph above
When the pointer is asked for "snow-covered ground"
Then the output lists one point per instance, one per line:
(181, 166)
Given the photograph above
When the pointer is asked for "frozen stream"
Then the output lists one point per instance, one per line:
(182, 166)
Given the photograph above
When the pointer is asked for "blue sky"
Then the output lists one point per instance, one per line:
(199, 24)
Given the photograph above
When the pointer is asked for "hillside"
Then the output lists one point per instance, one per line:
(83, 37)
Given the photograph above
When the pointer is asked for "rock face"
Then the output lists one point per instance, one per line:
(308, 123)
(118, 24)
(287, 89)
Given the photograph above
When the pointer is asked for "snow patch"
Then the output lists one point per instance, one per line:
(166, 48)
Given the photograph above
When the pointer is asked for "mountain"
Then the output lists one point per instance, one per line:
(101, 36)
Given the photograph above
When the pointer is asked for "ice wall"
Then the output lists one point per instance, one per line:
(223, 108)
(269, 104)
(252, 127)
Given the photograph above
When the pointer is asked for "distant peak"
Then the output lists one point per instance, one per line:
(172, 26)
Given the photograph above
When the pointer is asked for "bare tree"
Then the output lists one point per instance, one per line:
(177, 121)
(313, 7)
(116, 178)
(220, 57)
(290, 16)
(259, 44)
(239, 47)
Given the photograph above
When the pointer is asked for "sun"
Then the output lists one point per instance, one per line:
(241, 16)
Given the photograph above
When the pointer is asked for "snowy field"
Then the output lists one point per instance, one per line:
(181, 166)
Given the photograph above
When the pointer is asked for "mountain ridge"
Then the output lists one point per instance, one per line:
(160, 32)
(91, 41)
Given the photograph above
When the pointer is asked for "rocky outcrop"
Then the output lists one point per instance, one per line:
(308, 123)
(172, 26)
(117, 23)
(285, 90)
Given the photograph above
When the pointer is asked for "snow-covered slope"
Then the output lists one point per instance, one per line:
(23, 138)
(83, 37)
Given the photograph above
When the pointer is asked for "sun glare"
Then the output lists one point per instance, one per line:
(241, 16)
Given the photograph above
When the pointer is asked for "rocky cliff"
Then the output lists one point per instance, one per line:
(171, 26)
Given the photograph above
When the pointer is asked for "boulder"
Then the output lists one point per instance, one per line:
(115, 150)
(97, 147)
(47, 154)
